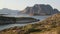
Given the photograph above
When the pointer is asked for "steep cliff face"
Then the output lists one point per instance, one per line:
(40, 9)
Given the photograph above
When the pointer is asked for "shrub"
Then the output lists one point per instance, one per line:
(34, 30)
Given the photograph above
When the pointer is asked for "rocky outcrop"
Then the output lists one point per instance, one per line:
(40, 9)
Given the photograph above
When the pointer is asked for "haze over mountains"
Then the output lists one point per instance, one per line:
(37, 9)
(8, 11)
(11, 13)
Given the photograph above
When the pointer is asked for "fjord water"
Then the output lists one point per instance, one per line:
(12, 25)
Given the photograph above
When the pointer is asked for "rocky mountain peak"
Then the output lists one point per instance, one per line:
(40, 9)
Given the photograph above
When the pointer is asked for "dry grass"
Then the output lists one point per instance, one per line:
(49, 26)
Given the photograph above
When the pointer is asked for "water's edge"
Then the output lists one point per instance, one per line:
(12, 25)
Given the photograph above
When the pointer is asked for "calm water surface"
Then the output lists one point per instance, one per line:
(12, 25)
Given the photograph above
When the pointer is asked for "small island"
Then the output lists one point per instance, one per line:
(16, 20)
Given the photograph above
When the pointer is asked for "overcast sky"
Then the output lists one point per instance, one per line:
(21, 4)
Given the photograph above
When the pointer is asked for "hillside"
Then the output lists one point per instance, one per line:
(50, 25)
(40, 9)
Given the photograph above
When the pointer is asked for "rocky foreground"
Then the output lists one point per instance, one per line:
(49, 26)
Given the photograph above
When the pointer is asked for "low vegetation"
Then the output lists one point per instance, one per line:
(50, 25)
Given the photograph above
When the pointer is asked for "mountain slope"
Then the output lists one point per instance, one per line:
(40, 9)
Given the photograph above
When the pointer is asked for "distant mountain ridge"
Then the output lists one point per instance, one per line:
(8, 11)
(40, 9)
(37, 9)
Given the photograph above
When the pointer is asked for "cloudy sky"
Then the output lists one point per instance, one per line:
(21, 4)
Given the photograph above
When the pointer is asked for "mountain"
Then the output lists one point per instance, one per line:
(37, 9)
(8, 11)
(40, 9)
(51, 25)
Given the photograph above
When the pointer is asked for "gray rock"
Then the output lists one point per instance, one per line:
(40, 9)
